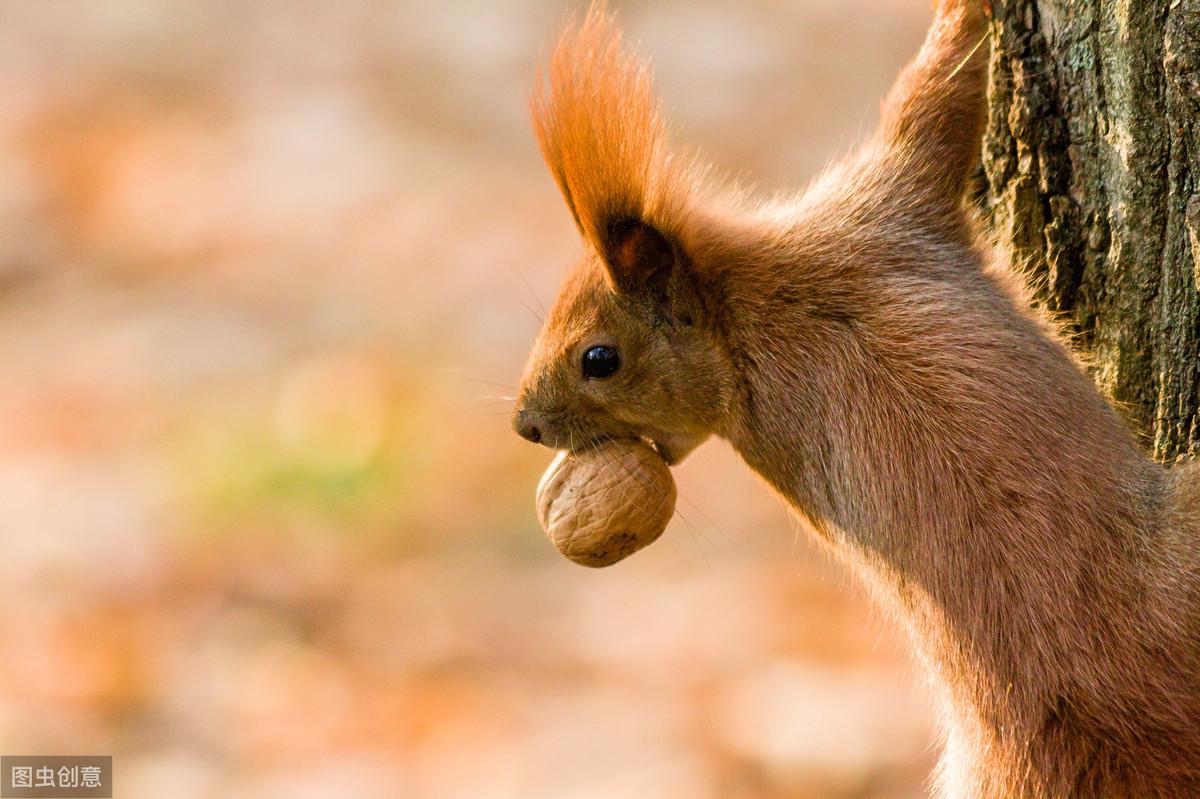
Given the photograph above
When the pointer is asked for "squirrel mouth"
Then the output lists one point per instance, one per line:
(667, 451)
(662, 449)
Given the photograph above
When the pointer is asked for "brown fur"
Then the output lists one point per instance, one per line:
(860, 350)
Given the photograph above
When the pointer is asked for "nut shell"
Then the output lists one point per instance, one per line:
(603, 505)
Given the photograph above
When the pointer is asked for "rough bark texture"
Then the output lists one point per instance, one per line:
(1092, 164)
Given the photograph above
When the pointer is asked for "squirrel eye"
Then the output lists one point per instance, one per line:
(599, 362)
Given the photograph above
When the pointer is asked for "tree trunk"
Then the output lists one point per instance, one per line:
(1092, 166)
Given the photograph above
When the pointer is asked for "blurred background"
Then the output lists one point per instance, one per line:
(268, 275)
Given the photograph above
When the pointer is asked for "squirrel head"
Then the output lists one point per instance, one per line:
(630, 348)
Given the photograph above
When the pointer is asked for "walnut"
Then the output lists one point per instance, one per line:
(604, 504)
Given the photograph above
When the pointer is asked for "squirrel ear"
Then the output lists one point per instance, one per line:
(638, 257)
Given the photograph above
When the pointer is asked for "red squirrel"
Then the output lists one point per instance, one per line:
(879, 365)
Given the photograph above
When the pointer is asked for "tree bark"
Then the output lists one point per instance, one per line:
(1092, 169)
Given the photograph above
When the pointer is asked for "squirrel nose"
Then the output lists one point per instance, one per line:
(525, 426)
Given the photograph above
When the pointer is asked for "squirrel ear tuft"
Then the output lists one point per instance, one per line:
(601, 132)
(637, 256)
